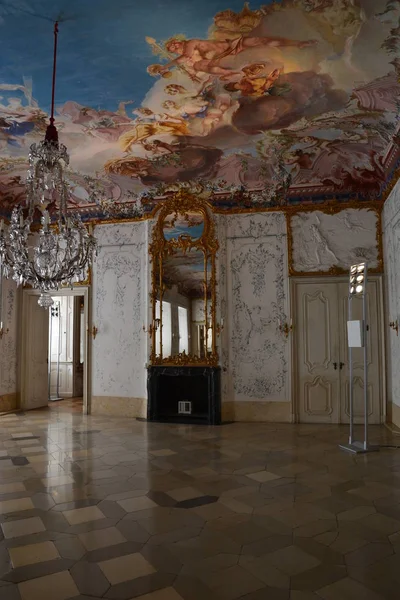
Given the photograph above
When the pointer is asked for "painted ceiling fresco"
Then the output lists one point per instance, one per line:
(237, 97)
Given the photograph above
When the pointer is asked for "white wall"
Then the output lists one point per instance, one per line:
(391, 244)
(253, 303)
(9, 346)
(253, 297)
(120, 309)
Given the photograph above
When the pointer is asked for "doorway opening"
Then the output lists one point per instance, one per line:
(321, 388)
(54, 352)
(66, 352)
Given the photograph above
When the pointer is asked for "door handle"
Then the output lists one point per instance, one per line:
(341, 365)
(335, 365)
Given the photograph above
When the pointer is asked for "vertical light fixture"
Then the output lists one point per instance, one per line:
(357, 334)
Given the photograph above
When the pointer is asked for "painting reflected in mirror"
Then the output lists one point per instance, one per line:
(183, 252)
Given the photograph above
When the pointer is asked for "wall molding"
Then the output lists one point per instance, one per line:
(8, 402)
(115, 406)
(257, 412)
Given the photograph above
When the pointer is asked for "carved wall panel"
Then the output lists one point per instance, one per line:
(8, 342)
(318, 397)
(329, 242)
(222, 338)
(317, 349)
(120, 302)
(391, 238)
(256, 302)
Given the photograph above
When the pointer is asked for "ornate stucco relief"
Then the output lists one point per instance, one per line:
(257, 305)
(323, 241)
(8, 343)
(391, 244)
(222, 308)
(255, 225)
(119, 311)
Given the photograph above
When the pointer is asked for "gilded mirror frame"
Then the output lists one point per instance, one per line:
(183, 203)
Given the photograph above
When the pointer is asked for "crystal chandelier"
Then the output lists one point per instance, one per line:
(60, 249)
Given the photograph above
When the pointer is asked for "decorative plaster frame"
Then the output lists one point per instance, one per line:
(332, 208)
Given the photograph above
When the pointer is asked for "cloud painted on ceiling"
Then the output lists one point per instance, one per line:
(171, 91)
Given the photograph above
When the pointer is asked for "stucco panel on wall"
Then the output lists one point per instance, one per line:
(256, 305)
(391, 241)
(255, 225)
(8, 343)
(119, 311)
(321, 241)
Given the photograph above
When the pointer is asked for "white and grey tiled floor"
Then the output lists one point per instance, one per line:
(94, 507)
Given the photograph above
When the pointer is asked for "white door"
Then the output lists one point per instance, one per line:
(317, 348)
(320, 345)
(34, 388)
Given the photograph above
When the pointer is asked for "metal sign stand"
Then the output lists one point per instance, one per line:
(358, 288)
(55, 312)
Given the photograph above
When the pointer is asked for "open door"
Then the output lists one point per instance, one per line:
(34, 381)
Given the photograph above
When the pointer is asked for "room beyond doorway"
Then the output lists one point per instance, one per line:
(66, 349)
(54, 351)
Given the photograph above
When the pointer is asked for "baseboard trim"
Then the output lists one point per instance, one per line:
(116, 406)
(8, 402)
(264, 412)
(394, 414)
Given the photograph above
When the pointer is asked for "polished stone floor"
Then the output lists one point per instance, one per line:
(100, 507)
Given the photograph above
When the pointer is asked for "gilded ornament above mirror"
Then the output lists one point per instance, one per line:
(183, 251)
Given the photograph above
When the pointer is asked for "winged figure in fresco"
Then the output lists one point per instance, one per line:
(199, 57)
(256, 81)
(149, 124)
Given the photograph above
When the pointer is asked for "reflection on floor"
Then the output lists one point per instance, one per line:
(95, 507)
(67, 405)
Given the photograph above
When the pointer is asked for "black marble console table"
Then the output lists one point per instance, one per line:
(198, 387)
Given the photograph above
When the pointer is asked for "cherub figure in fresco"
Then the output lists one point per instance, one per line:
(204, 56)
(217, 112)
(301, 160)
(160, 147)
(208, 109)
(146, 115)
(172, 89)
(256, 81)
(141, 132)
(230, 25)
(189, 109)
(143, 114)
(149, 124)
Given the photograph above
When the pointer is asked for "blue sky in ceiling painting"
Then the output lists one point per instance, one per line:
(103, 54)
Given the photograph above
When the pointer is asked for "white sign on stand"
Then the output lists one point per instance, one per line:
(355, 334)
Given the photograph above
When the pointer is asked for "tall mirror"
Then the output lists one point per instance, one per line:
(183, 253)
